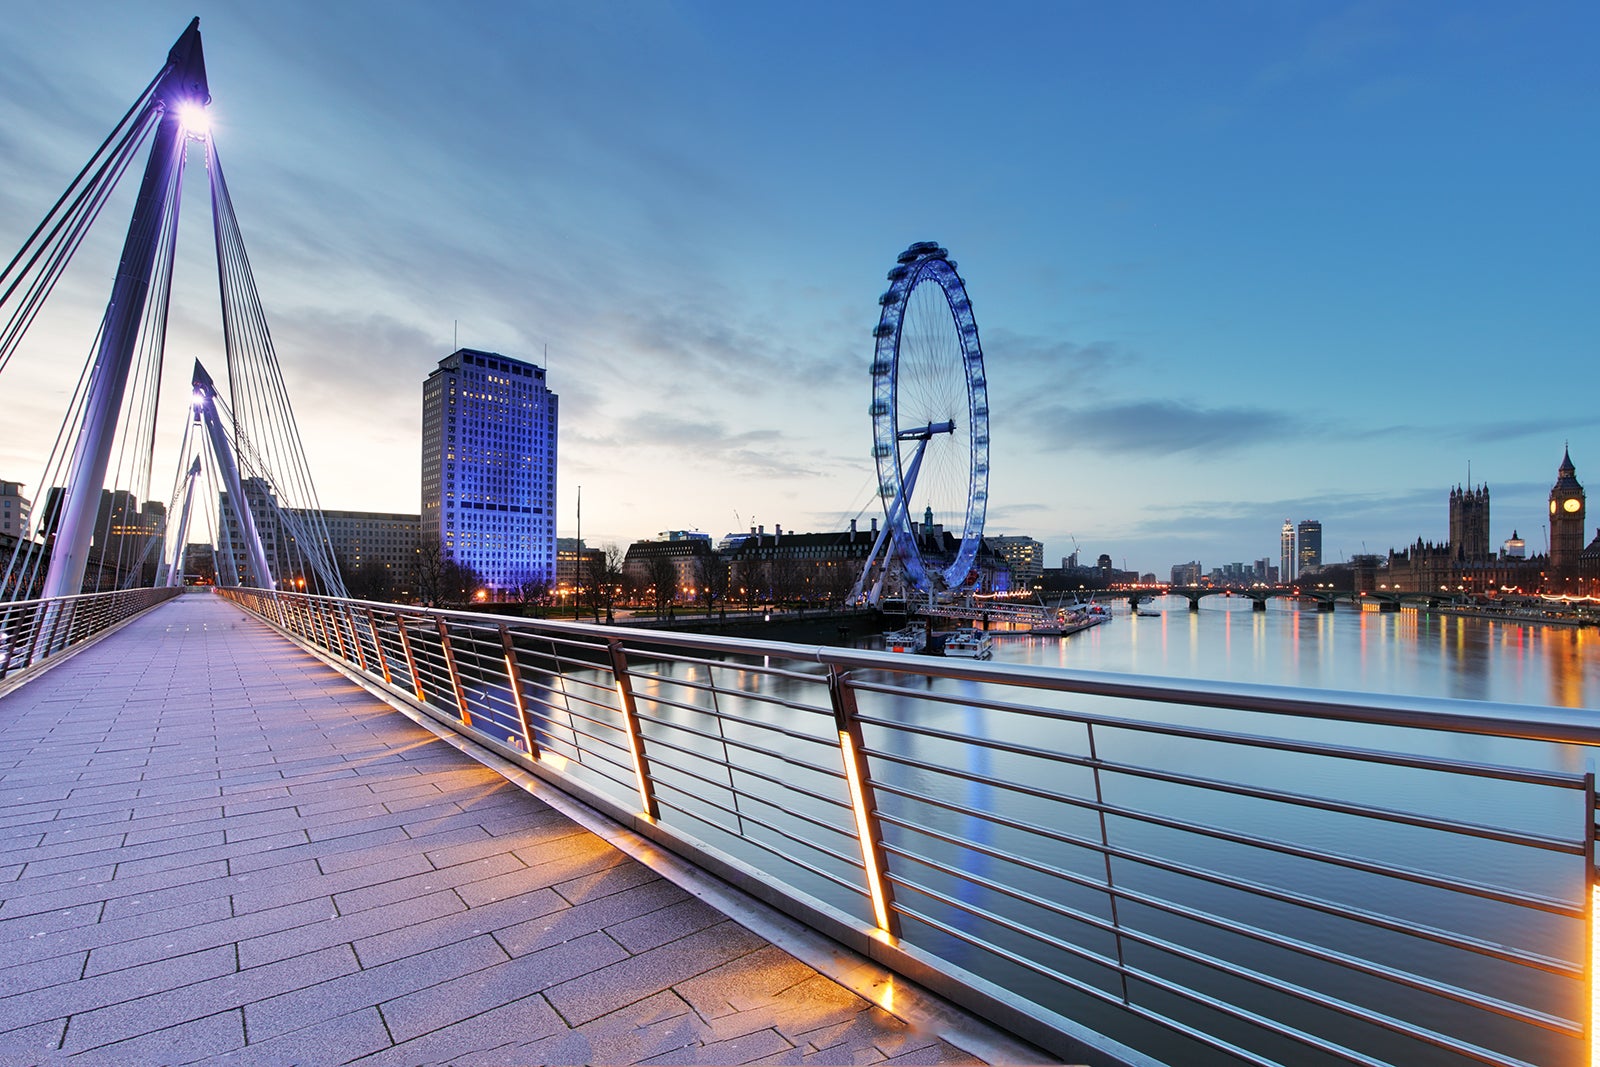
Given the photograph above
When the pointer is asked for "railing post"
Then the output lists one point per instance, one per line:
(411, 659)
(869, 831)
(630, 722)
(377, 643)
(1105, 854)
(1591, 887)
(39, 614)
(11, 644)
(65, 610)
(514, 677)
(455, 675)
(319, 625)
(346, 616)
(336, 620)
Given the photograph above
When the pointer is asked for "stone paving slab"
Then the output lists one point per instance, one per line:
(215, 848)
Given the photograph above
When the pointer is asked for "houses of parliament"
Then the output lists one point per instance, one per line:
(1469, 562)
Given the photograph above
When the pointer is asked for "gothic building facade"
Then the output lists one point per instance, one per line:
(1467, 564)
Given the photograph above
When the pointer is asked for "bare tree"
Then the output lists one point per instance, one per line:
(532, 588)
(441, 579)
(712, 575)
(663, 576)
(785, 579)
(606, 579)
(431, 562)
(369, 581)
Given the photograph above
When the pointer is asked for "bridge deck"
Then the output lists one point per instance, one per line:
(213, 845)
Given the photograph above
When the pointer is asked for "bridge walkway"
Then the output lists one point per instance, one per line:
(214, 847)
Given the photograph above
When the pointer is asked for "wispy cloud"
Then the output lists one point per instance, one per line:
(1161, 427)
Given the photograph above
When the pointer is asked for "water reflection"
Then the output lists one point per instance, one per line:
(1403, 653)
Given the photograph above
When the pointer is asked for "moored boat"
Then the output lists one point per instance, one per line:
(969, 644)
(912, 637)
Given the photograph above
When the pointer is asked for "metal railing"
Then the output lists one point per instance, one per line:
(1112, 867)
(31, 631)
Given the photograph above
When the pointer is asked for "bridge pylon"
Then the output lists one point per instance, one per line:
(182, 82)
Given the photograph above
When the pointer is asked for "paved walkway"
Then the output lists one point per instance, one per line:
(213, 847)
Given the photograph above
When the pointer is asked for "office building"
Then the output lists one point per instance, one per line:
(489, 468)
(1025, 555)
(1309, 557)
(14, 508)
(1286, 551)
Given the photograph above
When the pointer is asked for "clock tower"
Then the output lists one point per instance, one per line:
(1566, 516)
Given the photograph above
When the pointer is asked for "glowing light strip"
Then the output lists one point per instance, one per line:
(516, 694)
(1594, 985)
(852, 774)
(633, 750)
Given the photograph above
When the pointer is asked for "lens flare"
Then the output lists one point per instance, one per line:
(194, 118)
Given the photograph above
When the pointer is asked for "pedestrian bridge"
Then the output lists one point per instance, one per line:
(216, 843)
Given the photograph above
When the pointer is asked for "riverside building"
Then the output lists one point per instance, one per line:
(489, 468)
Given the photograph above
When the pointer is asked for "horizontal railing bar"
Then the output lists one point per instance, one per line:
(787, 857)
(1519, 775)
(1256, 792)
(786, 785)
(1457, 994)
(1446, 938)
(754, 698)
(1496, 893)
(1387, 815)
(831, 742)
(1334, 1004)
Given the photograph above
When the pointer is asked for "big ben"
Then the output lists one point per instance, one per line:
(1566, 516)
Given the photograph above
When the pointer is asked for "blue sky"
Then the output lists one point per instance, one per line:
(1231, 262)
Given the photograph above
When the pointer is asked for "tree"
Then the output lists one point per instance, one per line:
(443, 580)
(663, 576)
(711, 574)
(532, 588)
(785, 579)
(370, 581)
(606, 579)
(431, 562)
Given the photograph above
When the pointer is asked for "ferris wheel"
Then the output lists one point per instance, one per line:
(930, 421)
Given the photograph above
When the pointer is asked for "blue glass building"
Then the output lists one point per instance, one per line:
(489, 467)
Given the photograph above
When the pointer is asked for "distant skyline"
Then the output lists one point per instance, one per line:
(1230, 262)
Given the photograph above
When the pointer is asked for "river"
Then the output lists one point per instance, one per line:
(1406, 653)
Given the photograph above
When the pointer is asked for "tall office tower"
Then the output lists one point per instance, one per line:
(1469, 524)
(1310, 556)
(489, 468)
(1286, 552)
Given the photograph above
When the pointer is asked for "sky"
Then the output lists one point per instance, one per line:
(1231, 263)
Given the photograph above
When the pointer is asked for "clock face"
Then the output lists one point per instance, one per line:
(1552, 507)
(1571, 504)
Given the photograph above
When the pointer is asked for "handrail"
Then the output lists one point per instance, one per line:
(33, 631)
(1250, 869)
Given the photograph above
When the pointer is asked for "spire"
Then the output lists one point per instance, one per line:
(1567, 469)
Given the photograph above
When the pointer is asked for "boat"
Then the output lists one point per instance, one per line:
(969, 644)
(912, 637)
(1147, 613)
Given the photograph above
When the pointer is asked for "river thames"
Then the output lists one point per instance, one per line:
(1404, 653)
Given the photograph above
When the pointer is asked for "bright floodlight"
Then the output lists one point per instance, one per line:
(198, 401)
(194, 118)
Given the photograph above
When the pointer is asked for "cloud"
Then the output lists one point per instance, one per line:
(1053, 362)
(704, 443)
(1161, 427)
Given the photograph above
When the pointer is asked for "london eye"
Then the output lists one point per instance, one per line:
(930, 422)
